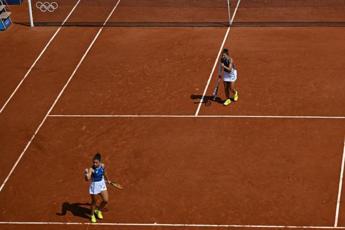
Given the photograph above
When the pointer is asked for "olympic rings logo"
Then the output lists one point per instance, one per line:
(47, 6)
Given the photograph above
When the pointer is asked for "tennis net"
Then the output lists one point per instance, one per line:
(291, 13)
(190, 13)
(132, 13)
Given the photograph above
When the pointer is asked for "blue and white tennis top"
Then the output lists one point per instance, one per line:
(98, 174)
(227, 63)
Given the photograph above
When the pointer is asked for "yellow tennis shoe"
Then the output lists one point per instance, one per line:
(227, 102)
(236, 96)
(99, 214)
(93, 219)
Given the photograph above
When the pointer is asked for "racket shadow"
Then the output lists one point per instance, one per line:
(207, 99)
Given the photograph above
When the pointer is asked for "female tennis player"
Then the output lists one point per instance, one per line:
(98, 177)
(229, 72)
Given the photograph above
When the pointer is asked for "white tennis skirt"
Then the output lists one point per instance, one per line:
(230, 77)
(97, 187)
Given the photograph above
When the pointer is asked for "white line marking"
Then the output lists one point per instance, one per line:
(340, 189)
(171, 225)
(216, 61)
(58, 97)
(39, 57)
(192, 116)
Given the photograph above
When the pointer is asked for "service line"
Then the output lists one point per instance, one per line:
(175, 225)
(193, 116)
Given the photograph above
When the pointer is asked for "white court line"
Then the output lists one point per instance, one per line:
(216, 61)
(192, 116)
(172, 225)
(337, 210)
(58, 97)
(39, 57)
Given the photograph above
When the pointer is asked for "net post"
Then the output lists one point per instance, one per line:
(229, 12)
(30, 14)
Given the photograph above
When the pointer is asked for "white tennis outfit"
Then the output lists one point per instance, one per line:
(230, 77)
(98, 184)
(96, 187)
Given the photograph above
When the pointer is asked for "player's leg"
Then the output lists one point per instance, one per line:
(234, 91)
(93, 208)
(226, 90)
(227, 93)
(105, 198)
(232, 87)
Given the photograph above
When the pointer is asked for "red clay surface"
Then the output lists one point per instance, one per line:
(293, 74)
(342, 210)
(286, 71)
(18, 54)
(117, 78)
(184, 171)
(38, 92)
(212, 171)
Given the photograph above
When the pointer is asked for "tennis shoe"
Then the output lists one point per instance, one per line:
(236, 96)
(93, 219)
(99, 214)
(227, 102)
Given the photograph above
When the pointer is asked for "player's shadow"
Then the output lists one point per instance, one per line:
(207, 99)
(77, 209)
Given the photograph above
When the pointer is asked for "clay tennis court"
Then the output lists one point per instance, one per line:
(137, 89)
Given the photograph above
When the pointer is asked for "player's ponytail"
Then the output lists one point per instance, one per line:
(97, 157)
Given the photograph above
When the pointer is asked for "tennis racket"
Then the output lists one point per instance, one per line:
(215, 91)
(118, 186)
